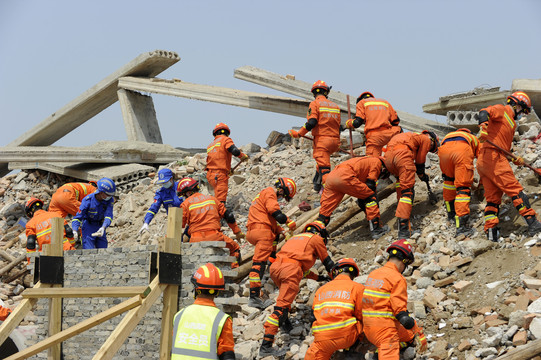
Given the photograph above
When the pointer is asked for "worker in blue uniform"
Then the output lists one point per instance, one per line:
(95, 215)
(166, 196)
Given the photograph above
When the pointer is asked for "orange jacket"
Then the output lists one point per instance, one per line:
(418, 144)
(337, 307)
(463, 136)
(81, 189)
(500, 127)
(363, 168)
(4, 312)
(304, 248)
(327, 115)
(385, 295)
(218, 156)
(377, 113)
(203, 213)
(40, 226)
(226, 342)
(263, 206)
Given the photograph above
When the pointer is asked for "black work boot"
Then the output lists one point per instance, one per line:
(450, 208)
(534, 226)
(285, 325)
(462, 227)
(256, 302)
(404, 231)
(317, 181)
(267, 349)
(493, 234)
(376, 229)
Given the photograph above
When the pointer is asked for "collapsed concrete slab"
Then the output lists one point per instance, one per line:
(139, 117)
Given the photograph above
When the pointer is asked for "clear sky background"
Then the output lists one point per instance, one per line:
(408, 52)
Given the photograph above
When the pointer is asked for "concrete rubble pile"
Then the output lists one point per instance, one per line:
(475, 298)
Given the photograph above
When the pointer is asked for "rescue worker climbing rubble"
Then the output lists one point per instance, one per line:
(67, 198)
(457, 152)
(380, 119)
(293, 262)
(201, 330)
(386, 321)
(264, 232)
(323, 120)
(356, 177)
(219, 154)
(337, 308)
(202, 214)
(498, 124)
(405, 156)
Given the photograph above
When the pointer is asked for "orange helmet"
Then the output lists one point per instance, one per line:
(319, 227)
(187, 184)
(93, 183)
(402, 250)
(435, 140)
(320, 87)
(221, 128)
(345, 265)
(208, 277)
(289, 187)
(32, 205)
(365, 95)
(522, 99)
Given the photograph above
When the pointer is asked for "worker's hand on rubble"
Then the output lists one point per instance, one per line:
(424, 177)
(349, 124)
(75, 237)
(518, 160)
(243, 156)
(294, 134)
(420, 338)
(143, 228)
(99, 233)
(240, 235)
(292, 225)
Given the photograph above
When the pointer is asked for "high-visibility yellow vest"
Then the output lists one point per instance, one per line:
(196, 331)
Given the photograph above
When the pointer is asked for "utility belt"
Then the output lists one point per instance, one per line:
(204, 233)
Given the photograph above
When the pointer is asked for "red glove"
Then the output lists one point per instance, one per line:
(420, 337)
(349, 124)
(291, 225)
(519, 161)
(294, 134)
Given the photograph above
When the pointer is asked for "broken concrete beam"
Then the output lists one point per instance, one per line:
(139, 117)
(464, 119)
(468, 103)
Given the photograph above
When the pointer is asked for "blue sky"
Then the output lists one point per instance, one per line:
(408, 52)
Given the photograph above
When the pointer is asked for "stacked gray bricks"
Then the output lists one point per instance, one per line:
(125, 267)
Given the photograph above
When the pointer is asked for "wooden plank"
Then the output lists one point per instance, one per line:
(5, 255)
(12, 264)
(128, 323)
(85, 292)
(527, 351)
(55, 305)
(77, 329)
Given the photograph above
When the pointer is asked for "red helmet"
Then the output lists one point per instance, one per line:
(365, 95)
(522, 99)
(319, 227)
(402, 250)
(345, 265)
(435, 140)
(208, 277)
(187, 184)
(32, 205)
(288, 185)
(320, 87)
(221, 128)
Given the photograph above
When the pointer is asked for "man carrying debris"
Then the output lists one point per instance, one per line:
(95, 215)
(386, 321)
(166, 196)
(202, 213)
(405, 156)
(337, 307)
(264, 232)
(457, 151)
(498, 124)
(67, 198)
(382, 122)
(38, 228)
(201, 330)
(219, 154)
(356, 177)
(323, 120)
(293, 262)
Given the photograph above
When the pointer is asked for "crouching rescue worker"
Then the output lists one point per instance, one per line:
(405, 156)
(166, 196)
(293, 262)
(498, 124)
(264, 232)
(219, 154)
(338, 310)
(201, 330)
(202, 214)
(95, 215)
(357, 177)
(323, 120)
(382, 122)
(386, 321)
(67, 198)
(457, 152)
(38, 228)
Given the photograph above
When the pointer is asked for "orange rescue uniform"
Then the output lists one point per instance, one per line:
(4, 312)
(67, 198)
(219, 165)
(381, 123)
(338, 310)
(40, 226)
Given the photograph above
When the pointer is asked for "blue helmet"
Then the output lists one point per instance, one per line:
(164, 175)
(107, 186)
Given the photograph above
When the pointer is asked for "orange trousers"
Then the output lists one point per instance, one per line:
(262, 237)
(324, 146)
(64, 201)
(219, 180)
(337, 185)
(324, 349)
(387, 338)
(234, 248)
(376, 139)
(400, 163)
(456, 161)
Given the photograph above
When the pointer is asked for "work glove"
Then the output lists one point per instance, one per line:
(294, 134)
(323, 278)
(243, 157)
(291, 225)
(143, 228)
(99, 233)
(240, 235)
(420, 338)
(519, 161)
(76, 237)
(424, 177)
(349, 124)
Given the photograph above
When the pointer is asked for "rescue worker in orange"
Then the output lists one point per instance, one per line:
(405, 156)
(457, 152)
(386, 321)
(4, 313)
(38, 228)
(380, 119)
(356, 177)
(293, 262)
(337, 307)
(323, 120)
(498, 124)
(201, 330)
(219, 154)
(264, 232)
(67, 198)
(202, 213)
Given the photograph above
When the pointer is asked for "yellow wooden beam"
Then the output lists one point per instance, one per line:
(86, 292)
(55, 305)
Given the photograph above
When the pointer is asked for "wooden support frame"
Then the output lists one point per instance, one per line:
(86, 292)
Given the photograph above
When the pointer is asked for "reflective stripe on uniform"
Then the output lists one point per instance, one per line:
(449, 186)
(381, 314)
(368, 103)
(201, 204)
(378, 294)
(330, 110)
(405, 200)
(332, 326)
(334, 304)
(509, 120)
(218, 144)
